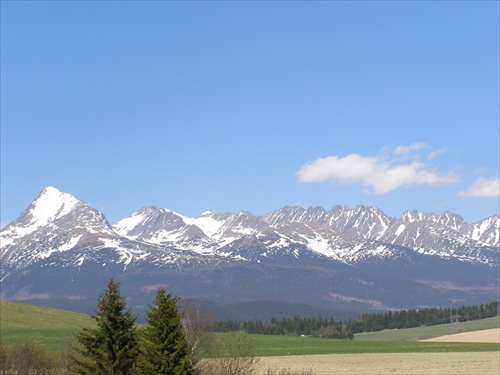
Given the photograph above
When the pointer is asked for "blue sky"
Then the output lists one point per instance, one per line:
(230, 106)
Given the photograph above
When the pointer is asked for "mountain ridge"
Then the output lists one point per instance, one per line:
(341, 256)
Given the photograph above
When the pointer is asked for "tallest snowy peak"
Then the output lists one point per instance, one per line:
(51, 204)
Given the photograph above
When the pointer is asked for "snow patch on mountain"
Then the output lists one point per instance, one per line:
(70, 244)
(126, 225)
(209, 224)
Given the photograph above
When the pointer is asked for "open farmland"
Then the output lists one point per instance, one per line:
(384, 352)
(487, 335)
(424, 363)
(485, 363)
(424, 332)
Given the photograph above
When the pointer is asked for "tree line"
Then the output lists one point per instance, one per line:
(323, 327)
(423, 317)
(319, 327)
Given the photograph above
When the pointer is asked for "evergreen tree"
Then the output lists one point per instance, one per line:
(112, 346)
(165, 349)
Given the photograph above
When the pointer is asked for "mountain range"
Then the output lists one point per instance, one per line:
(60, 252)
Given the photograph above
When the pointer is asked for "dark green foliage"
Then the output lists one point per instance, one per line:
(165, 349)
(319, 327)
(112, 347)
(422, 317)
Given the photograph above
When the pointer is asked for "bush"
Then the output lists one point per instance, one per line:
(233, 354)
(27, 358)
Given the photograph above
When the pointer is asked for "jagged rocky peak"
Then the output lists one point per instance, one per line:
(414, 215)
(240, 223)
(369, 213)
(244, 218)
(487, 230)
(294, 214)
(451, 220)
(447, 219)
(214, 215)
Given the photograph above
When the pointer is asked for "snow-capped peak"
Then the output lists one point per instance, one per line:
(50, 205)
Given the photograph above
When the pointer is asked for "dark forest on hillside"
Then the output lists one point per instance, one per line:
(323, 327)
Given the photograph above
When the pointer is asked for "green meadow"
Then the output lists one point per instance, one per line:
(54, 328)
(293, 345)
(48, 327)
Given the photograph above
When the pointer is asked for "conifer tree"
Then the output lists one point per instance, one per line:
(112, 346)
(165, 349)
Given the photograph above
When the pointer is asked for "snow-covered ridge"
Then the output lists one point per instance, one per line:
(304, 253)
(344, 234)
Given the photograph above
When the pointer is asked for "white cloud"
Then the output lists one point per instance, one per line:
(405, 150)
(483, 187)
(381, 174)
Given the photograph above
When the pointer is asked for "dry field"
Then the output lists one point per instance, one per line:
(487, 335)
(484, 363)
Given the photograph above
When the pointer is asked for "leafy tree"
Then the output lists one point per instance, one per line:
(165, 348)
(112, 346)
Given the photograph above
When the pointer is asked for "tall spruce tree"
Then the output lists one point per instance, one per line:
(165, 349)
(112, 346)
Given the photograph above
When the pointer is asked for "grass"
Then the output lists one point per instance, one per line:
(293, 345)
(48, 327)
(52, 328)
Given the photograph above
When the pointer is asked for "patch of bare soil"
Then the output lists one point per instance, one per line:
(487, 335)
(485, 363)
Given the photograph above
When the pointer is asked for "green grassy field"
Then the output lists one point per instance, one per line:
(53, 328)
(293, 345)
(48, 327)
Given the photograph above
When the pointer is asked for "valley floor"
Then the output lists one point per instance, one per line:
(485, 363)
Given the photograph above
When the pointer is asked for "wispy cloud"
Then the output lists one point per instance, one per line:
(405, 150)
(483, 187)
(381, 174)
